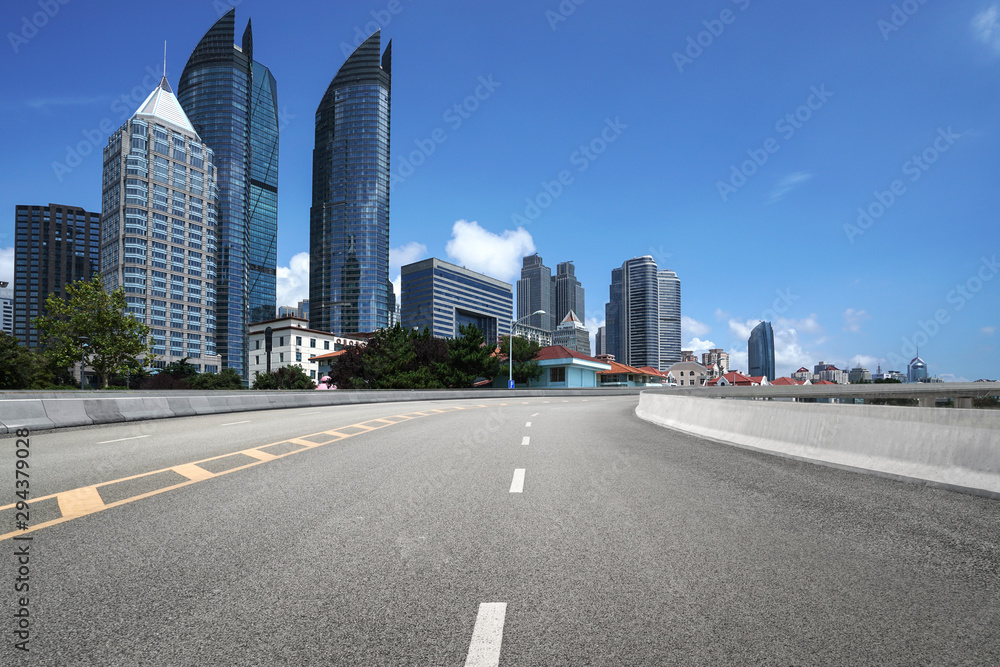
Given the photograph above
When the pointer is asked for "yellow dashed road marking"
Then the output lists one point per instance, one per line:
(80, 502)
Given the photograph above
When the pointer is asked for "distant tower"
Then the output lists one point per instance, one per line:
(569, 292)
(536, 291)
(917, 370)
(760, 351)
(670, 318)
(633, 313)
(349, 287)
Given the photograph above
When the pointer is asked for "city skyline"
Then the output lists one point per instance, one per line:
(859, 163)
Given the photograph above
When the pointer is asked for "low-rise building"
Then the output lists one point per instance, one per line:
(689, 374)
(859, 375)
(293, 343)
(563, 368)
(573, 334)
(621, 375)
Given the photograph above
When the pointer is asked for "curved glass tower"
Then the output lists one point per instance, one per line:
(670, 318)
(232, 103)
(760, 351)
(349, 288)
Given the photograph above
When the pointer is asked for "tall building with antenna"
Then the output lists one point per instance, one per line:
(232, 101)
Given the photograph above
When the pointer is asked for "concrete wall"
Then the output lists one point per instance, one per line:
(952, 448)
(46, 410)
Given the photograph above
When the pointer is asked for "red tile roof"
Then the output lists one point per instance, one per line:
(562, 352)
(824, 382)
(785, 382)
(330, 355)
(620, 369)
(649, 370)
(735, 378)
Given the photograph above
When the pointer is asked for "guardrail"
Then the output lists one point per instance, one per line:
(40, 410)
(925, 393)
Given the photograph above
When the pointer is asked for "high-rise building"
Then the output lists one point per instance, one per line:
(633, 314)
(716, 360)
(442, 297)
(760, 351)
(232, 103)
(6, 308)
(600, 341)
(349, 287)
(158, 228)
(54, 245)
(536, 291)
(670, 318)
(572, 334)
(916, 371)
(569, 292)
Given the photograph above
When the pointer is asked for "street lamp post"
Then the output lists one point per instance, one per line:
(510, 348)
(83, 359)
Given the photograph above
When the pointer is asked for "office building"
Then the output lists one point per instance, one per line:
(442, 297)
(670, 318)
(293, 343)
(536, 291)
(301, 311)
(349, 287)
(600, 341)
(569, 292)
(716, 360)
(6, 308)
(527, 332)
(637, 335)
(859, 375)
(572, 334)
(231, 101)
(916, 371)
(54, 245)
(158, 228)
(760, 351)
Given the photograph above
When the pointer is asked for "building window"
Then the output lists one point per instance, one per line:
(312, 342)
(256, 359)
(298, 356)
(257, 344)
(326, 345)
(281, 356)
(557, 375)
(281, 341)
(298, 340)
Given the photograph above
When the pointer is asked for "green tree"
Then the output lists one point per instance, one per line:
(526, 368)
(348, 370)
(20, 367)
(399, 359)
(227, 379)
(115, 340)
(470, 358)
(286, 377)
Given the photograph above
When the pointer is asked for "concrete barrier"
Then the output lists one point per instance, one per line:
(51, 409)
(951, 448)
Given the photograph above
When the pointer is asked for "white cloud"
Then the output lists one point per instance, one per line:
(721, 315)
(809, 325)
(986, 27)
(789, 352)
(7, 265)
(496, 255)
(742, 328)
(989, 331)
(865, 361)
(853, 319)
(400, 257)
(293, 280)
(593, 324)
(697, 346)
(692, 327)
(787, 184)
(948, 377)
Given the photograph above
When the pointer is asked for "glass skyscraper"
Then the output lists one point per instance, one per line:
(569, 292)
(642, 316)
(231, 100)
(349, 287)
(760, 351)
(536, 291)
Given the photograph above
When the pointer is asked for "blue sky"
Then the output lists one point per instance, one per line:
(735, 141)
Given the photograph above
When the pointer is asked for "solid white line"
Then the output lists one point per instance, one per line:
(528, 425)
(536, 414)
(526, 440)
(235, 423)
(135, 437)
(484, 649)
(517, 484)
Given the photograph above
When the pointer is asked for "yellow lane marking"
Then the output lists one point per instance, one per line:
(257, 454)
(193, 472)
(80, 501)
(76, 503)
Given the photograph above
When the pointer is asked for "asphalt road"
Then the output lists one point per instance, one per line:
(407, 542)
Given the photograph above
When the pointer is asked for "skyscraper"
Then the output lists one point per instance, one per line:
(760, 351)
(349, 287)
(6, 308)
(572, 334)
(231, 100)
(54, 245)
(158, 228)
(670, 318)
(569, 292)
(536, 291)
(642, 316)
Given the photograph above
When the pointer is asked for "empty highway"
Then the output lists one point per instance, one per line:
(559, 531)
